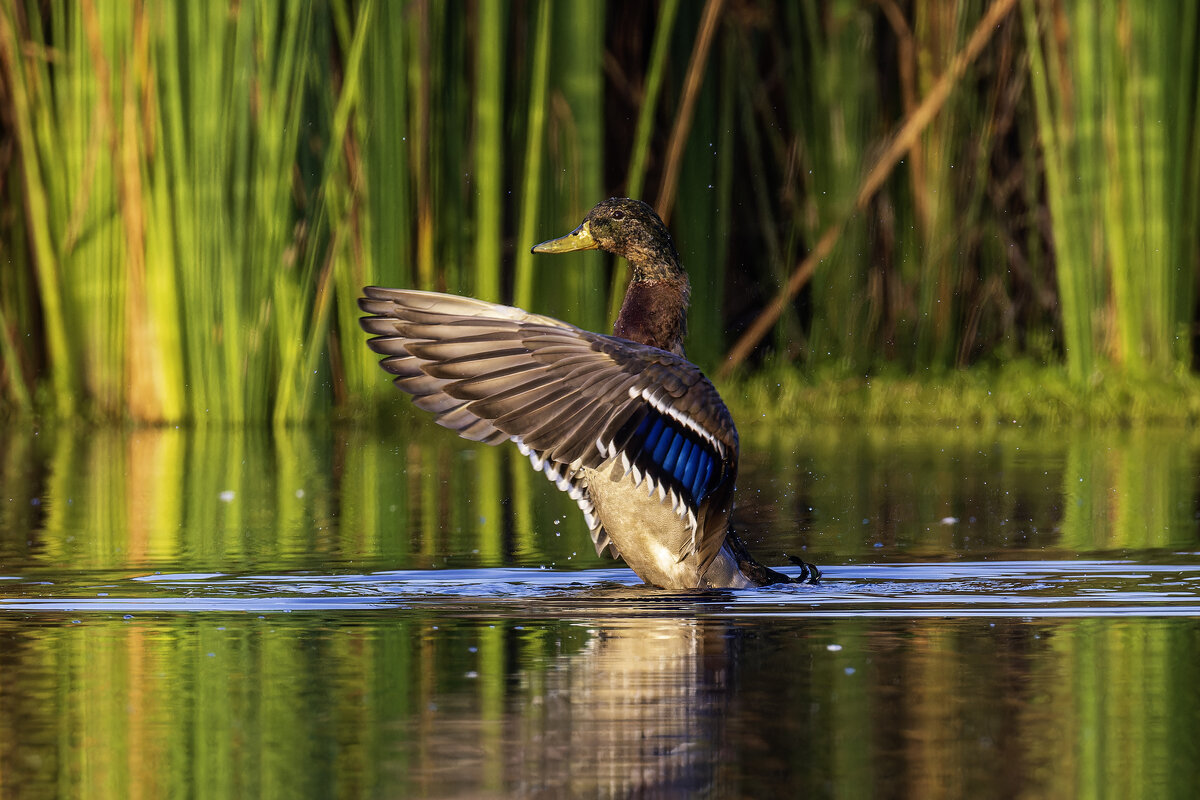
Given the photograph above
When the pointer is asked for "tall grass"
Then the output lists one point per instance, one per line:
(489, 148)
(830, 110)
(635, 177)
(163, 142)
(194, 193)
(532, 176)
(573, 286)
(1120, 153)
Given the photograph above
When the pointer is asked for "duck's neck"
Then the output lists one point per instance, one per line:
(655, 312)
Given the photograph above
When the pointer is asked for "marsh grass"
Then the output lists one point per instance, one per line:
(194, 194)
(1019, 393)
(1120, 152)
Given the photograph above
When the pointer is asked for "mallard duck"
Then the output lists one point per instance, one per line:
(624, 424)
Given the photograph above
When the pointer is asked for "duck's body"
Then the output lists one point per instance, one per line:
(628, 427)
(648, 533)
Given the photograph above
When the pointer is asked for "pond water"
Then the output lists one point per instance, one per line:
(393, 612)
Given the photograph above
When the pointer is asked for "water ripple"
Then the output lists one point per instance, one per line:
(1017, 589)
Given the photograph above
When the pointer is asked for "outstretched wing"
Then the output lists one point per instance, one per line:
(567, 397)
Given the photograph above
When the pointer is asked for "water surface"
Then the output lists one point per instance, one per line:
(396, 613)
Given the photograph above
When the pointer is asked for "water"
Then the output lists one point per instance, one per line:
(396, 614)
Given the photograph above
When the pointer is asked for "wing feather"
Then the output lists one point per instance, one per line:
(568, 398)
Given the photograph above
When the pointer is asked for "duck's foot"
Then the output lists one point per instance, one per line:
(808, 572)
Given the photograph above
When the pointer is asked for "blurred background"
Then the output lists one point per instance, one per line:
(191, 195)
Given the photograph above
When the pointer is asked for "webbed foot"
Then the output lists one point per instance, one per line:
(808, 572)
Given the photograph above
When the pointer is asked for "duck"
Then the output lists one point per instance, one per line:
(624, 424)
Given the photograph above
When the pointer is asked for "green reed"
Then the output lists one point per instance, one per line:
(1121, 155)
(532, 174)
(572, 286)
(489, 147)
(635, 178)
(168, 139)
(197, 193)
(829, 112)
(702, 217)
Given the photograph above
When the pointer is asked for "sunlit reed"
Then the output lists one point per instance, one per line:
(198, 191)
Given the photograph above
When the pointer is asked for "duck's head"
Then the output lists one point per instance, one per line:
(627, 228)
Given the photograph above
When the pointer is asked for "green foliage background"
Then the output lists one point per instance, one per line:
(193, 194)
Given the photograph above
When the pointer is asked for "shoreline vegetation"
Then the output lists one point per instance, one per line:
(1020, 395)
(990, 207)
(1014, 395)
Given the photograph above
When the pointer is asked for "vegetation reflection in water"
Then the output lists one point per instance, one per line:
(421, 703)
(659, 694)
(411, 497)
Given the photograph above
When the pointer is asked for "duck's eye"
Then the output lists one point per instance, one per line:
(618, 215)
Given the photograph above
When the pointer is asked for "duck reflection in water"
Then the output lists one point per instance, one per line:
(640, 712)
(643, 706)
(624, 424)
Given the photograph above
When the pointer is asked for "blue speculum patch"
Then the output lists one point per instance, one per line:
(673, 455)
